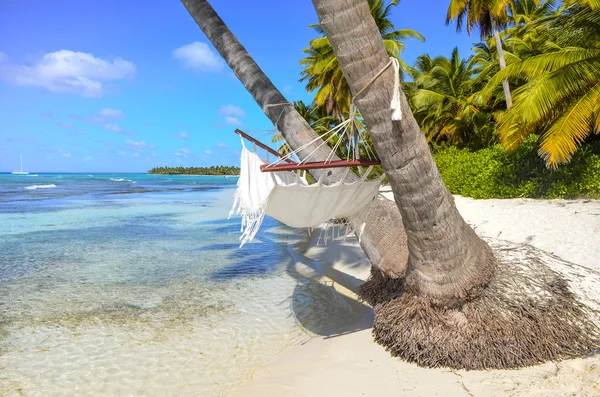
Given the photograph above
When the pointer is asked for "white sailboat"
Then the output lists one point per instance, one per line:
(21, 172)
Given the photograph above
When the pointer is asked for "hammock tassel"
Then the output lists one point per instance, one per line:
(395, 104)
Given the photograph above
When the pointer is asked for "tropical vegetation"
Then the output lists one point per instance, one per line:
(543, 56)
(494, 172)
(322, 71)
(212, 170)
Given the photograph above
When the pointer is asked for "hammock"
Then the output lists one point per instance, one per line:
(269, 189)
(287, 197)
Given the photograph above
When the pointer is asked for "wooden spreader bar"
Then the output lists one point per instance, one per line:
(262, 145)
(317, 165)
(293, 166)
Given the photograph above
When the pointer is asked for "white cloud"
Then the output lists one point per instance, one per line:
(68, 71)
(114, 114)
(137, 155)
(199, 56)
(113, 128)
(65, 124)
(231, 110)
(287, 88)
(3, 57)
(138, 146)
(233, 121)
(183, 152)
(75, 133)
(47, 115)
(182, 135)
(222, 145)
(232, 114)
(95, 120)
(118, 130)
(208, 152)
(64, 153)
(88, 158)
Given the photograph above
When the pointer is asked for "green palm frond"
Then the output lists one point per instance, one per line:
(442, 101)
(560, 92)
(563, 137)
(322, 73)
(537, 66)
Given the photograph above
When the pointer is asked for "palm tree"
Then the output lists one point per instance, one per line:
(526, 38)
(382, 236)
(323, 74)
(456, 306)
(487, 15)
(560, 98)
(442, 102)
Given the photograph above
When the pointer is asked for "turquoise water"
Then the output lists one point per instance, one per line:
(133, 284)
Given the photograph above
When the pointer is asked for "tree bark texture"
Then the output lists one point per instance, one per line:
(447, 260)
(379, 227)
(505, 85)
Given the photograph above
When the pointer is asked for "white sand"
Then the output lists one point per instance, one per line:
(348, 363)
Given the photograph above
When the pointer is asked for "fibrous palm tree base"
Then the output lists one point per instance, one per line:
(527, 315)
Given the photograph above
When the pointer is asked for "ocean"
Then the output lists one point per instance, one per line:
(134, 285)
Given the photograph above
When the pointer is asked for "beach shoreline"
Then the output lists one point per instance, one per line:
(349, 363)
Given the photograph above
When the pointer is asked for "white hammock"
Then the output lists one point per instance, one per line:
(287, 197)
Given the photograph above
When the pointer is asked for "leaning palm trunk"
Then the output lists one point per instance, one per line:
(505, 84)
(380, 226)
(457, 306)
(447, 260)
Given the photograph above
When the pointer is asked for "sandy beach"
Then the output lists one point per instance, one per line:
(346, 362)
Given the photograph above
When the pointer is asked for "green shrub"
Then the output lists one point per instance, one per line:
(496, 173)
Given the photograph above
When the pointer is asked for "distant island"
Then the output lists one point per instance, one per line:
(213, 170)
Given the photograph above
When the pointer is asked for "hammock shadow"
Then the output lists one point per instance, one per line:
(260, 258)
(324, 302)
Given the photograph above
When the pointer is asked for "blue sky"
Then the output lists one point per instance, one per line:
(109, 86)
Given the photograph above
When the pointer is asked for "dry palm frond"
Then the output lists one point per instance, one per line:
(527, 315)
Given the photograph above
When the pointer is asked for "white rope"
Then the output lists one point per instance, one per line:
(272, 105)
(347, 127)
(331, 134)
(395, 103)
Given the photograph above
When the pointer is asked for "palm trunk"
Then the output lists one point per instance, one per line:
(447, 260)
(505, 84)
(381, 234)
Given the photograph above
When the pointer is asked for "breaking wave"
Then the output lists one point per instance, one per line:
(33, 187)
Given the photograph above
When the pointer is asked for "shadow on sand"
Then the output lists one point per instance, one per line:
(324, 300)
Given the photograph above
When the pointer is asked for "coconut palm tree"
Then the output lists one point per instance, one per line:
(456, 306)
(524, 37)
(443, 105)
(487, 15)
(323, 74)
(382, 236)
(561, 97)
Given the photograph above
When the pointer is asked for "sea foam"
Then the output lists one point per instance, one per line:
(33, 187)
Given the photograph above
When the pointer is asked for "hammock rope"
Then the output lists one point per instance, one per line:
(287, 196)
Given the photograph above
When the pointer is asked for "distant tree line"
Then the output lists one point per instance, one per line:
(213, 170)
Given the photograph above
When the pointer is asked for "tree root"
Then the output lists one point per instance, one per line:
(527, 315)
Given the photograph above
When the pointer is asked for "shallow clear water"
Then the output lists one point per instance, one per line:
(134, 285)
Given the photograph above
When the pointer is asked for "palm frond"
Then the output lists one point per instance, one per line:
(561, 139)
